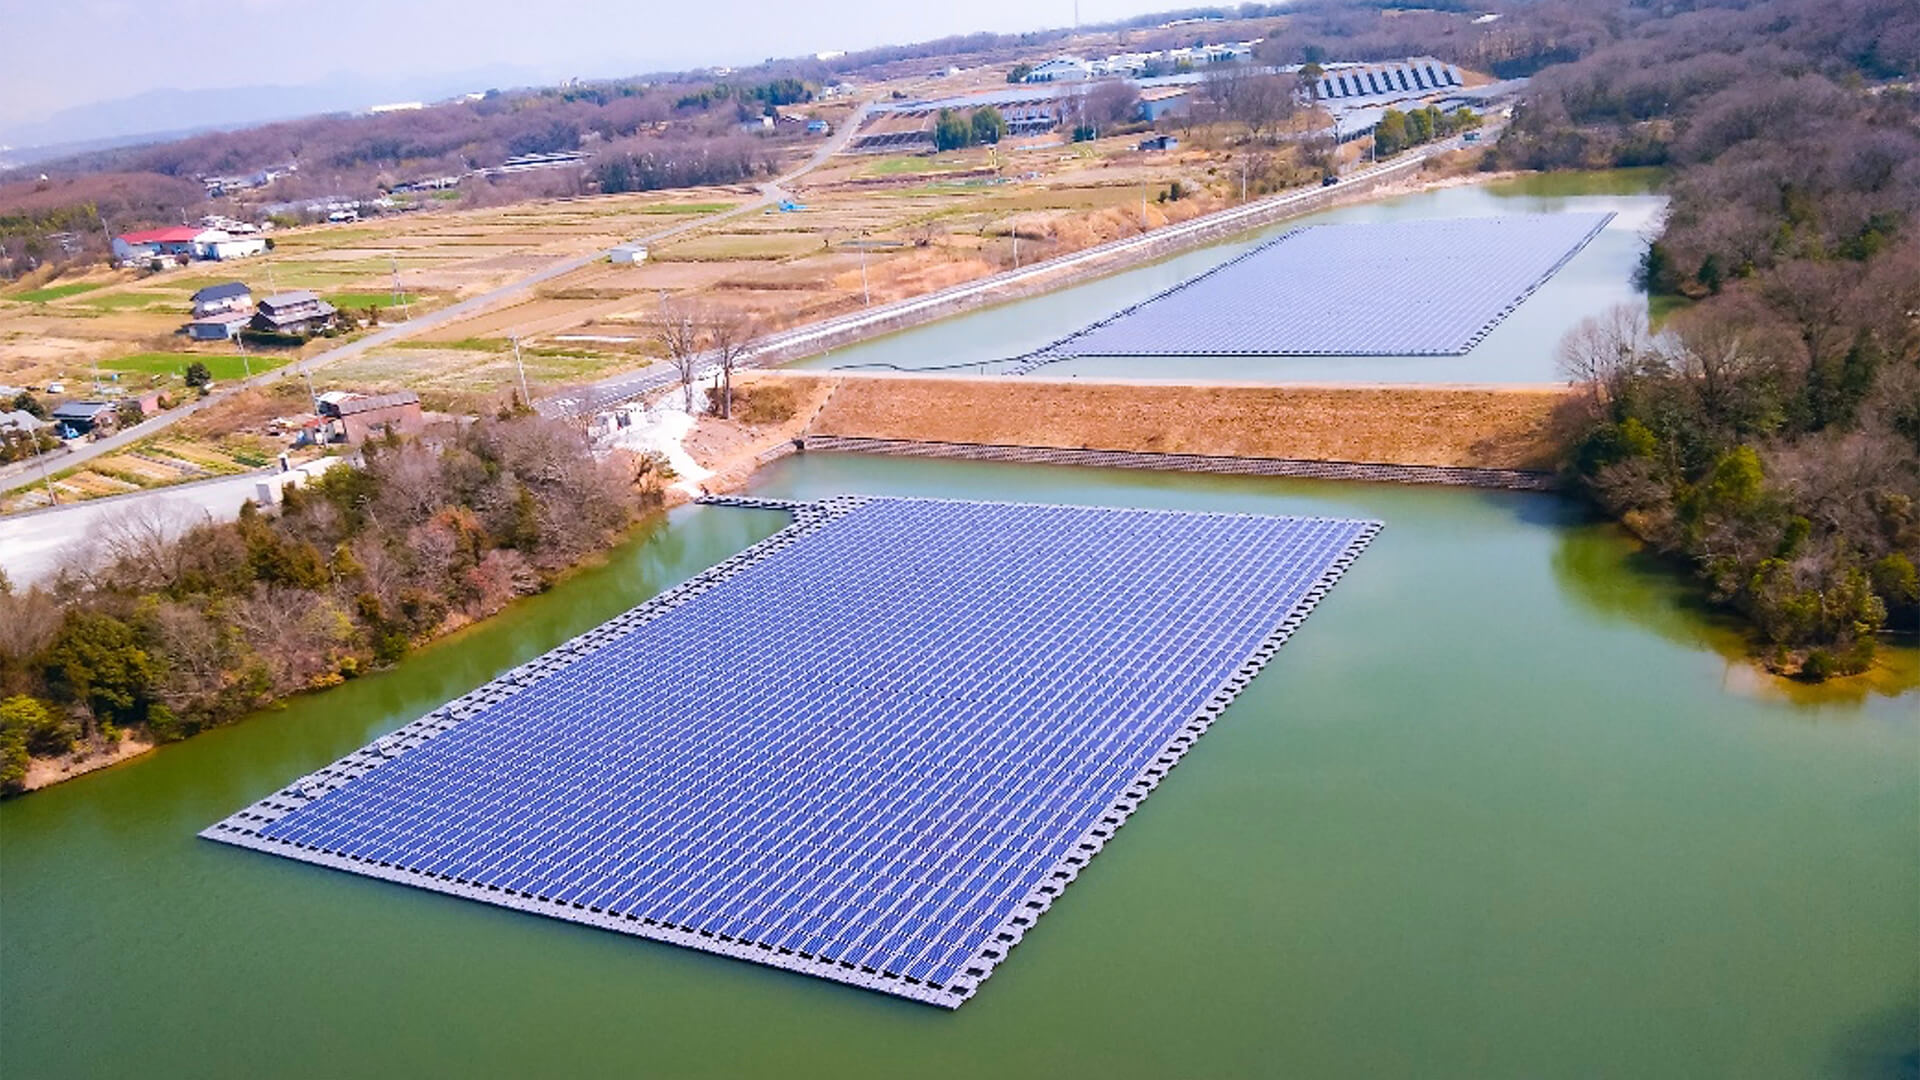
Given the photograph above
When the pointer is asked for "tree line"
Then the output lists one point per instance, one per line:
(1769, 434)
(953, 130)
(1398, 130)
(169, 632)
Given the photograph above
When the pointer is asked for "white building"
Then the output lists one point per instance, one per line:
(218, 244)
(1061, 69)
(629, 254)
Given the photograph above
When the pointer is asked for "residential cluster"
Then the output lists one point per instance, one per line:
(221, 312)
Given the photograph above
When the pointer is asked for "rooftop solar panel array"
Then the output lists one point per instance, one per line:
(871, 748)
(1410, 288)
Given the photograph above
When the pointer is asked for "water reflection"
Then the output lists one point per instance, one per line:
(1614, 576)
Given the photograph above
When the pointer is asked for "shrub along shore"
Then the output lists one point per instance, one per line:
(164, 636)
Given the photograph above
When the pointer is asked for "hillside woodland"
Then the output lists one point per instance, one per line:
(1769, 435)
(676, 129)
(168, 635)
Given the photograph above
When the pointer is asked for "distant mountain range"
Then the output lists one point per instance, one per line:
(169, 114)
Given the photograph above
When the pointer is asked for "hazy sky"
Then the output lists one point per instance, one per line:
(59, 53)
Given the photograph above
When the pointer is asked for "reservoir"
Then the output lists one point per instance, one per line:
(1507, 805)
(1518, 350)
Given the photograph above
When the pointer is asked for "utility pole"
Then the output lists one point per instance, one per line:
(311, 396)
(53, 497)
(526, 396)
(245, 361)
(866, 298)
(398, 296)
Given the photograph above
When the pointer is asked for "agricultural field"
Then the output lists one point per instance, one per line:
(57, 331)
(54, 292)
(868, 228)
(884, 227)
(170, 368)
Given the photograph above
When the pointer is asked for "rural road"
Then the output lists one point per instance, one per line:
(771, 193)
(32, 544)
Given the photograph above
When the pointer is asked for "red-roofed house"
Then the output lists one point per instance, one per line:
(174, 240)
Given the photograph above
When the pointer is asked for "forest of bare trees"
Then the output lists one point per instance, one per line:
(169, 632)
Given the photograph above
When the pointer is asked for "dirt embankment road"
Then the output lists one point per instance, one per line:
(1461, 426)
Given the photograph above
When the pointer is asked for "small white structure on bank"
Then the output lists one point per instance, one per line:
(628, 255)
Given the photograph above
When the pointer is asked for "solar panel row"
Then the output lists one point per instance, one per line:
(872, 748)
(1414, 288)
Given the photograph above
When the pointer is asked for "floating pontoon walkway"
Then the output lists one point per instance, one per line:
(1410, 288)
(874, 747)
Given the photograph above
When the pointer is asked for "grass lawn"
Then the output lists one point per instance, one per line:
(908, 164)
(54, 292)
(222, 366)
(359, 300)
(683, 208)
(128, 301)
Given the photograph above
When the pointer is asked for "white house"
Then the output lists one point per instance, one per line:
(629, 255)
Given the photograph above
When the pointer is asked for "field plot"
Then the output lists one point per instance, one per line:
(873, 748)
(1415, 288)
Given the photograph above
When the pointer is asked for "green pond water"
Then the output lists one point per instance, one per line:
(1502, 808)
(1519, 350)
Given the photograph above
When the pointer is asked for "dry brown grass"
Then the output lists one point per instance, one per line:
(1486, 427)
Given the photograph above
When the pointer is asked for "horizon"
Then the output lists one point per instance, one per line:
(51, 95)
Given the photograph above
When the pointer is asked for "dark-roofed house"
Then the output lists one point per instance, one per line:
(361, 417)
(76, 418)
(219, 327)
(298, 312)
(214, 299)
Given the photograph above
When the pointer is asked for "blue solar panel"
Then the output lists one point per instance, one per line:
(1410, 288)
(872, 748)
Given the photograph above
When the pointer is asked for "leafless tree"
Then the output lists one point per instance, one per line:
(139, 545)
(729, 335)
(1112, 102)
(1602, 350)
(28, 622)
(1263, 102)
(677, 325)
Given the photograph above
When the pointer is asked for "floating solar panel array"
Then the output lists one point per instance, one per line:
(1410, 288)
(872, 748)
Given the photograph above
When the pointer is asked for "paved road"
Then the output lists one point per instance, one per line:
(32, 544)
(771, 193)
